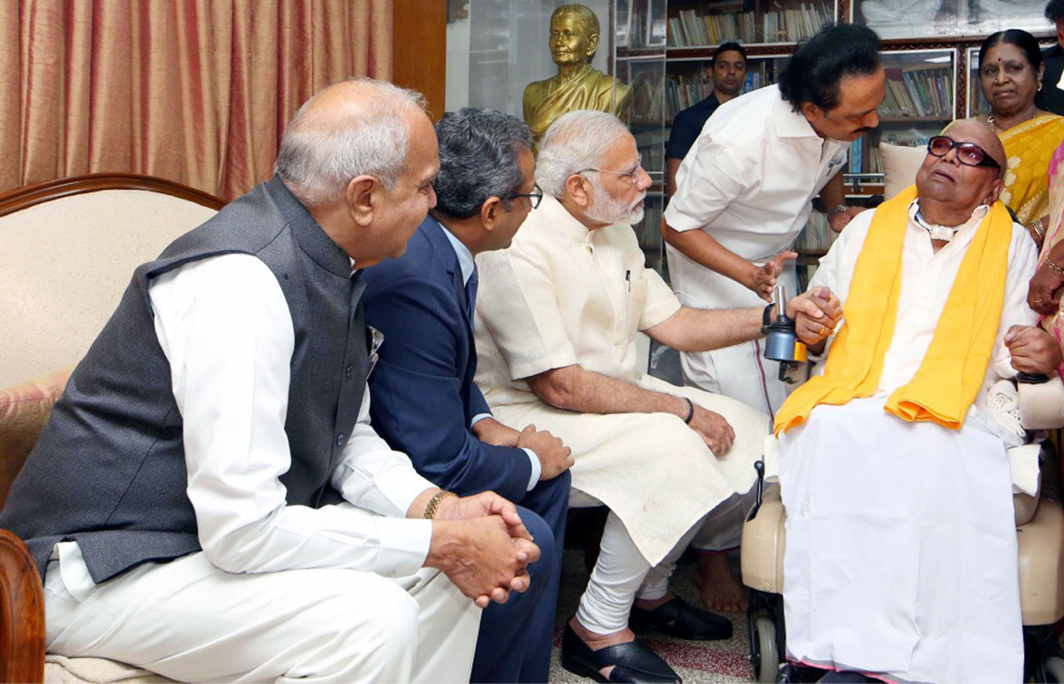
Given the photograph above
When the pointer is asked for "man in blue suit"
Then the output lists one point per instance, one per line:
(424, 401)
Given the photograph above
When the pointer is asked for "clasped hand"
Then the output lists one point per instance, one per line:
(482, 546)
(815, 314)
(1032, 349)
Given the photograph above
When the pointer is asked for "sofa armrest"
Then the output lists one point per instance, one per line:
(24, 410)
(21, 613)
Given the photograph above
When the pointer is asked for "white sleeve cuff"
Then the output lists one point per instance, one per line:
(407, 546)
(477, 418)
(537, 469)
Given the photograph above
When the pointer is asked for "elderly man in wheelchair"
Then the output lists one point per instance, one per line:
(901, 546)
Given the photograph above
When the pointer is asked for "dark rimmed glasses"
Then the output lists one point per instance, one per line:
(968, 153)
(534, 197)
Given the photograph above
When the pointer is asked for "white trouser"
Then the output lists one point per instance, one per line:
(190, 621)
(619, 572)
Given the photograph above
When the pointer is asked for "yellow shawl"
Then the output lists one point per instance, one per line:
(953, 369)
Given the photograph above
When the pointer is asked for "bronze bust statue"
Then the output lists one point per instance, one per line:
(574, 37)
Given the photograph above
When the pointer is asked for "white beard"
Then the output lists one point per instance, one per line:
(606, 209)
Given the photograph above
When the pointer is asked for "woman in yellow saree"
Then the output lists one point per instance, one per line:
(1010, 71)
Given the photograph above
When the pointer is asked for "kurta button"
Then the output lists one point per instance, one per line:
(348, 371)
(340, 439)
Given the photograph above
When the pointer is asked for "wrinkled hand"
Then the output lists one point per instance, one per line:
(554, 457)
(714, 430)
(1033, 350)
(1043, 294)
(764, 277)
(481, 558)
(491, 431)
(838, 221)
(815, 314)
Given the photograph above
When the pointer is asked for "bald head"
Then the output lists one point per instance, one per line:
(349, 129)
(982, 134)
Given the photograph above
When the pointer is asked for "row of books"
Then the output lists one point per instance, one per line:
(817, 236)
(918, 93)
(689, 29)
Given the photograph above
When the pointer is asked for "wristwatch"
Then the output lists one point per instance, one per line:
(836, 210)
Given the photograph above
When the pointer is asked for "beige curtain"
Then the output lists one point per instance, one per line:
(196, 91)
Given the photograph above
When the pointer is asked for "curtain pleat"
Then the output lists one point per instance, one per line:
(196, 91)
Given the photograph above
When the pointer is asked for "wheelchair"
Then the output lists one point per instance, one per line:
(1040, 534)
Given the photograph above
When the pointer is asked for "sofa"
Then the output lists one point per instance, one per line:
(70, 247)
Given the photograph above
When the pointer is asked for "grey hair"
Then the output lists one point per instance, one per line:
(319, 154)
(576, 141)
(478, 159)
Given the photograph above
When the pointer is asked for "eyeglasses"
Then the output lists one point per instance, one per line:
(630, 177)
(534, 197)
(968, 153)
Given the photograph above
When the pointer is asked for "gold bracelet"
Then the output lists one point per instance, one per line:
(1054, 266)
(434, 503)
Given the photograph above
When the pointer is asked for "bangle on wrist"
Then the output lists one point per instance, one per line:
(1054, 266)
(690, 410)
(434, 503)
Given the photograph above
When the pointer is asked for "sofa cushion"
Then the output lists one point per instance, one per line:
(900, 164)
(24, 409)
(65, 265)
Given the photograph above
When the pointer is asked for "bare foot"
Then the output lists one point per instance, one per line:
(596, 641)
(720, 590)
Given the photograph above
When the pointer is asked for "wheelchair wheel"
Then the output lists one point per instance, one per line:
(1054, 667)
(765, 656)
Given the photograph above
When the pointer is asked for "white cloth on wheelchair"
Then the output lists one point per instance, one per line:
(901, 547)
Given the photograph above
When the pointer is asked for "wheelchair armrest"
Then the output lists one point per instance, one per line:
(1042, 404)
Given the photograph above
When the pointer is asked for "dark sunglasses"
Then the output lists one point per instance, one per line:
(968, 153)
(534, 197)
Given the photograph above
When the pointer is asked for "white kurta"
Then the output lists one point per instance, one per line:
(562, 295)
(901, 544)
(748, 181)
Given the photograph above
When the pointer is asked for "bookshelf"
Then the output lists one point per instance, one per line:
(687, 82)
(751, 22)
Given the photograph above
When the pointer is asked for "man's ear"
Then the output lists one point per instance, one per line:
(489, 212)
(995, 192)
(811, 111)
(362, 196)
(576, 189)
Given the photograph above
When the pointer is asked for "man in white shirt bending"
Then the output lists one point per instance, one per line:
(209, 500)
(900, 562)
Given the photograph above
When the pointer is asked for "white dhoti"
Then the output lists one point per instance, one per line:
(652, 470)
(190, 621)
(901, 548)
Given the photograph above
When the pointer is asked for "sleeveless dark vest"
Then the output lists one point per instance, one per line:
(109, 469)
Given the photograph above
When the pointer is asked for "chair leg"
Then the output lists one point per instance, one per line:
(21, 613)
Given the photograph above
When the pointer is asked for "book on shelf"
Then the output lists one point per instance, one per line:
(817, 236)
(799, 23)
(856, 156)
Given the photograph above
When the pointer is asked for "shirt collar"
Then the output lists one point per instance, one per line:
(465, 257)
